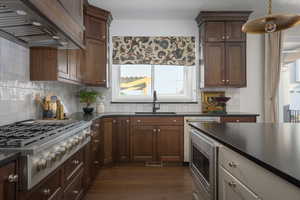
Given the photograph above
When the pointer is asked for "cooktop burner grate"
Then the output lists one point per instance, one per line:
(24, 133)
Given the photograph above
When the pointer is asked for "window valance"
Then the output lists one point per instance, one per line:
(154, 50)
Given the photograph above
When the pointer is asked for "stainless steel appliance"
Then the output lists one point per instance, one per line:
(203, 165)
(187, 127)
(44, 145)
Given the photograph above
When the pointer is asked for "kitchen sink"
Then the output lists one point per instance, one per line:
(155, 113)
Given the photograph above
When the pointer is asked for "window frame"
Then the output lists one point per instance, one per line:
(190, 88)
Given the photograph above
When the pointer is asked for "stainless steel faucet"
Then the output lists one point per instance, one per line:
(154, 107)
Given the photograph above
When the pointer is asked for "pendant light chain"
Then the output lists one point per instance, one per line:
(270, 7)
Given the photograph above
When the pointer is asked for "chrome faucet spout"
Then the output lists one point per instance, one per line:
(154, 107)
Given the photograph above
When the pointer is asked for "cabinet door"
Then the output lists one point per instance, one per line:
(75, 190)
(238, 119)
(62, 62)
(215, 31)
(236, 64)
(95, 62)
(122, 133)
(231, 189)
(214, 60)
(143, 143)
(72, 64)
(95, 28)
(107, 128)
(8, 190)
(79, 65)
(234, 31)
(170, 143)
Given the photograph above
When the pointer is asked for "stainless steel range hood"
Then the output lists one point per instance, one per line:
(22, 23)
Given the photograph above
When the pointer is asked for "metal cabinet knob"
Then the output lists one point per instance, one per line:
(127, 121)
(158, 130)
(237, 120)
(154, 130)
(96, 141)
(76, 162)
(227, 81)
(138, 121)
(232, 184)
(174, 120)
(227, 37)
(223, 37)
(76, 192)
(46, 192)
(232, 164)
(97, 125)
(223, 80)
(96, 162)
(13, 178)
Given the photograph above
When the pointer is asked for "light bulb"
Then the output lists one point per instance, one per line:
(270, 27)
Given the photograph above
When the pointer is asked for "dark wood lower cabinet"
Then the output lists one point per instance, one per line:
(169, 143)
(75, 190)
(143, 143)
(239, 119)
(107, 137)
(8, 189)
(121, 135)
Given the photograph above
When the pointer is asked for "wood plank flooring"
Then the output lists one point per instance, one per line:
(142, 183)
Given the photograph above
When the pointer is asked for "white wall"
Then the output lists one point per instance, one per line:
(243, 100)
(251, 97)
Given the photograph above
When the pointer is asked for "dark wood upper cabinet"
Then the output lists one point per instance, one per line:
(52, 64)
(215, 31)
(223, 47)
(95, 68)
(236, 64)
(214, 54)
(233, 31)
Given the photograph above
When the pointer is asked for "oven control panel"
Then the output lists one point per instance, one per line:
(43, 163)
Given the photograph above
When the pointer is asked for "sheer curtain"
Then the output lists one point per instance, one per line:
(273, 61)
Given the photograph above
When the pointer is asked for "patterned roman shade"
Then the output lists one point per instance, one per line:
(154, 50)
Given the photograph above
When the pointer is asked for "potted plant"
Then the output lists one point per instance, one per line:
(88, 97)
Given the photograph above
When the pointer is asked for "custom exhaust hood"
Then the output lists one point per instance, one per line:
(22, 23)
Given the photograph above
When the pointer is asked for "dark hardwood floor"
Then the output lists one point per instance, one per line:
(142, 183)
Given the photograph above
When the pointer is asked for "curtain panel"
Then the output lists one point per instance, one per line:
(154, 50)
(273, 63)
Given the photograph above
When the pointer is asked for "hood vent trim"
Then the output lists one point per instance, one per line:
(22, 24)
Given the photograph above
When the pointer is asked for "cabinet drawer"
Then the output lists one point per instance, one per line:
(265, 184)
(230, 188)
(73, 165)
(238, 119)
(50, 189)
(75, 190)
(158, 120)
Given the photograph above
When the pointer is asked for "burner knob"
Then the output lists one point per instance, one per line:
(41, 164)
(68, 145)
(81, 138)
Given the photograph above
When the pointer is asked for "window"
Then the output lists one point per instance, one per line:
(136, 83)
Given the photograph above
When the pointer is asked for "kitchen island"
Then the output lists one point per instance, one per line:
(257, 154)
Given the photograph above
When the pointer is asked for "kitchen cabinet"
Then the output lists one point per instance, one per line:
(231, 189)
(143, 141)
(157, 139)
(223, 48)
(95, 156)
(239, 119)
(95, 68)
(75, 190)
(51, 64)
(8, 181)
(74, 9)
(238, 179)
(121, 131)
(107, 135)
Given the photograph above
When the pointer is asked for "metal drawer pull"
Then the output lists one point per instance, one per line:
(232, 164)
(127, 121)
(13, 178)
(174, 120)
(96, 162)
(46, 192)
(96, 141)
(97, 125)
(76, 162)
(76, 192)
(139, 121)
(232, 184)
(237, 120)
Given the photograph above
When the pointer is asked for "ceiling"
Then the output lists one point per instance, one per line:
(187, 9)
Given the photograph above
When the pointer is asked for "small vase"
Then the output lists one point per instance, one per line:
(88, 110)
(100, 108)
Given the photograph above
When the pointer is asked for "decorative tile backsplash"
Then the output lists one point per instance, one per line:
(17, 93)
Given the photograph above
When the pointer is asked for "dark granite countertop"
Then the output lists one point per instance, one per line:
(275, 147)
(7, 157)
(93, 116)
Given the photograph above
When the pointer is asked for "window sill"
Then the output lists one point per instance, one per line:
(150, 102)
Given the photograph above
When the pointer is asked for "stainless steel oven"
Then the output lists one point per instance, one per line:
(203, 165)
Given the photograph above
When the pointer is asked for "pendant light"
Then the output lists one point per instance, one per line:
(271, 23)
